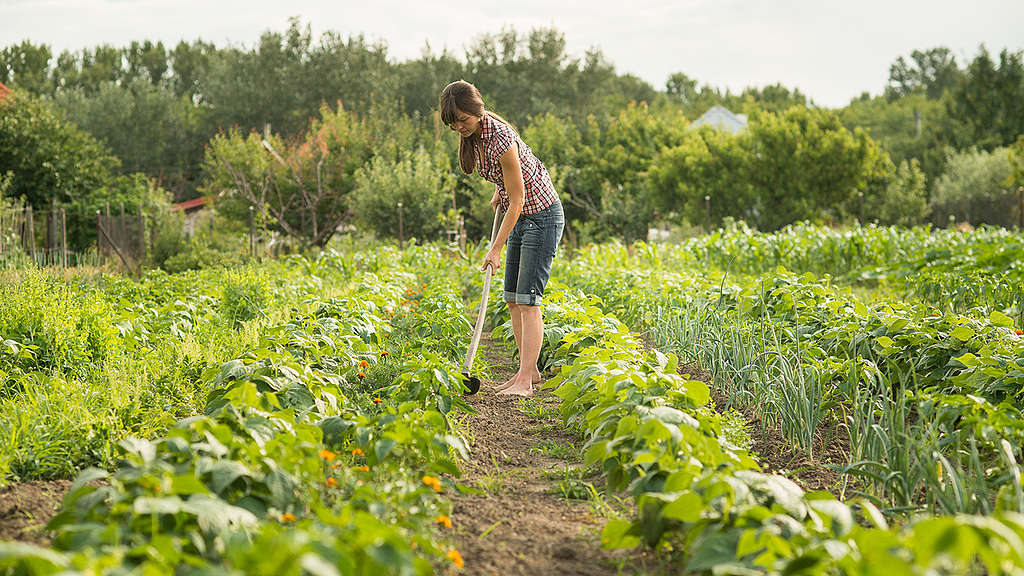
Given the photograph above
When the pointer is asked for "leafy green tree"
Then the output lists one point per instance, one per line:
(302, 186)
(707, 163)
(930, 73)
(894, 125)
(51, 158)
(987, 100)
(974, 189)
(147, 126)
(902, 201)
(26, 66)
(420, 180)
(807, 165)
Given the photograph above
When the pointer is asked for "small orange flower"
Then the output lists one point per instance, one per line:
(363, 363)
(1019, 331)
(363, 468)
(384, 354)
(377, 400)
(331, 482)
(287, 518)
(358, 452)
(444, 521)
(432, 482)
(327, 455)
(361, 375)
(456, 558)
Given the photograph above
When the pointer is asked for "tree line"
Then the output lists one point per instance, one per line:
(353, 132)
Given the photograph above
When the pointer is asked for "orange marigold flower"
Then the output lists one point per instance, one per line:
(327, 455)
(363, 468)
(1019, 332)
(331, 482)
(363, 363)
(456, 558)
(361, 375)
(287, 517)
(432, 482)
(358, 452)
(444, 521)
(377, 400)
(384, 354)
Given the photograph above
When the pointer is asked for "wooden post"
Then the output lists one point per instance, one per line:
(103, 233)
(252, 232)
(121, 230)
(29, 226)
(401, 234)
(106, 224)
(860, 217)
(63, 239)
(142, 235)
(707, 214)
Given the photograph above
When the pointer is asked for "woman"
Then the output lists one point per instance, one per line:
(533, 218)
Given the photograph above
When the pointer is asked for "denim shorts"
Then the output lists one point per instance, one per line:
(529, 252)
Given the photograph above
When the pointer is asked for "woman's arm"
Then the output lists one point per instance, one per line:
(512, 173)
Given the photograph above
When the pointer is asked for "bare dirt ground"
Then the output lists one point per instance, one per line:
(523, 461)
(26, 507)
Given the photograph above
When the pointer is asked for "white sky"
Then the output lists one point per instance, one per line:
(832, 50)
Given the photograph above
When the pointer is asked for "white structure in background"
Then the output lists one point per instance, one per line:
(720, 117)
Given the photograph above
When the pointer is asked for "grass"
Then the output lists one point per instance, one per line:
(554, 449)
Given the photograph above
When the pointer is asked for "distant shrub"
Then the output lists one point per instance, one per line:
(973, 189)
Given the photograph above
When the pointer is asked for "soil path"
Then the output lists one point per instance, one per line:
(26, 507)
(524, 462)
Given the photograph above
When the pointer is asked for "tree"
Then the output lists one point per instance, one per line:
(894, 125)
(147, 126)
(807, 165)
(987, 100)
(974, 189)
(708, 162)
(26, 66)
(422, 181)
(300, 185)
(51, 159)
(931, 73)
(902, 200)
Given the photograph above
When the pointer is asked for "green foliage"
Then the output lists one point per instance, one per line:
(788, 170)
(245, 298)
(142, 111)
(711, 163)
(51, 159)
(301, 187)
(987, 98)
(894, 125)
(973, 189)
(930, 73)
(903, 200)
(421, 181)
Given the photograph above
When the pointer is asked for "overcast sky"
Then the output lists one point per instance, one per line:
(831, 50)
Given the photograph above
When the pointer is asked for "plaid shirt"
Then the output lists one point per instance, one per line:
(496, 137)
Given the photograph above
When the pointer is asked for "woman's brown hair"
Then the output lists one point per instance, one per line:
(461, 95)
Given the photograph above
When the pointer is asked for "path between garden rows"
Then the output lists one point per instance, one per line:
(522, 524)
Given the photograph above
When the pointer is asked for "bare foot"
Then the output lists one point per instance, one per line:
(517, 390)
(508, 383)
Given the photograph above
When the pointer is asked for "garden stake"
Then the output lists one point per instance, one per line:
(472, 382)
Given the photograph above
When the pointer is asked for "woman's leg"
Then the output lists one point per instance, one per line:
(533, 333)
(516, 312)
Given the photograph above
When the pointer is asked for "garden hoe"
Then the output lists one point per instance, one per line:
(473, 382)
